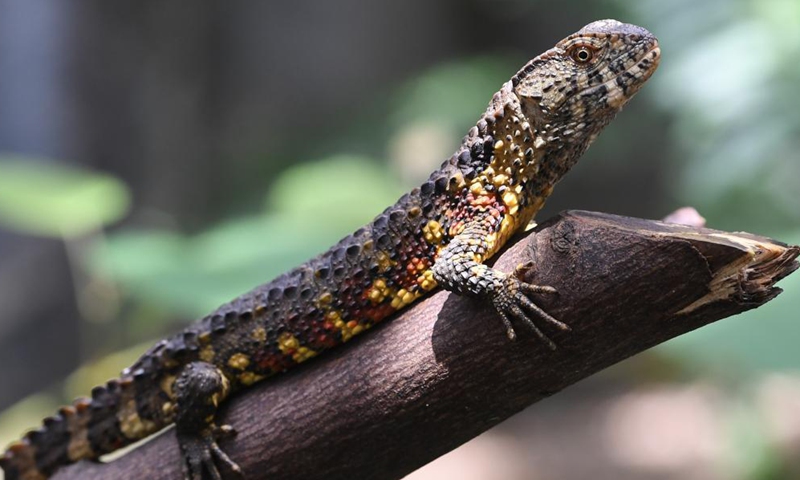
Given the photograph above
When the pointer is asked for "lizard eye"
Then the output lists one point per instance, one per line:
(581, 54)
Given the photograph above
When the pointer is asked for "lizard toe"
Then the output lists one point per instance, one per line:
(203, 457)
(512, 302)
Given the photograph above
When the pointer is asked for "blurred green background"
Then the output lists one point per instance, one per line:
(160, 158)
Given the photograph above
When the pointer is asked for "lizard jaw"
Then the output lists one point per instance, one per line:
(619, 92)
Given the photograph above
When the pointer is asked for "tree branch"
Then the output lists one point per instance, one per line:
(443, 372)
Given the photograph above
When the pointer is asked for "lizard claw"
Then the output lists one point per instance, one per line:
(512, 302)
(202, 456)
(223, 432)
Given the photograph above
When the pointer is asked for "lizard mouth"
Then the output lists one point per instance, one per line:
(648, 63)
(623, 86)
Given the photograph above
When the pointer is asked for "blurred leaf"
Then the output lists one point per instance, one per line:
(729, 77)
(98, 371)
(51, 199)
(341, 192)
(751, 455)
(430, 113)
(312, 206)
(782, 16)
(193, 275)
(25, 415)
(139, 254)
(29, 412)
(454, 94)
(717, 94)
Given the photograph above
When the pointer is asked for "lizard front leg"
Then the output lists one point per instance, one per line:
(199, 389)
(459, 268)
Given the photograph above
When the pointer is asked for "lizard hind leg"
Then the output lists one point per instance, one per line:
(199, 390)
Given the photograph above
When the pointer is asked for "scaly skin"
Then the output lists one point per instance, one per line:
(533, 131)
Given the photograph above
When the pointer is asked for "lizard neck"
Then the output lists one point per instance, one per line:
(509, 159)
(516, 156)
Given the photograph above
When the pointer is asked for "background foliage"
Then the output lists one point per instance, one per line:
(161, 159)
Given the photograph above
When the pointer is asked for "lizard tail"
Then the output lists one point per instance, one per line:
(86, 429)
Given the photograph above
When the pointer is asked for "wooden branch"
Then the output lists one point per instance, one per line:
(443, 372)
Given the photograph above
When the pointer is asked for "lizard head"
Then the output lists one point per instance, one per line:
(541, 121)
(570, 92)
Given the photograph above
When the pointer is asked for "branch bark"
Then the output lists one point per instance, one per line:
(443, 372)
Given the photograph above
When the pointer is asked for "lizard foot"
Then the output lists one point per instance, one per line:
(512, 302)
(202, 457)
(198, 390)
